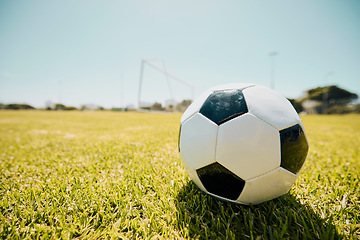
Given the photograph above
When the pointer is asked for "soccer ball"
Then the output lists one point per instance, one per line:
(242, 143)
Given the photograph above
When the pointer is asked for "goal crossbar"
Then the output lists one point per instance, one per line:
(167, 73)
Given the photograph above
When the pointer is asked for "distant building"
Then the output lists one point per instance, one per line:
(311, 106)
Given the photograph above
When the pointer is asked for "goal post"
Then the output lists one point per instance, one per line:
(169, 76)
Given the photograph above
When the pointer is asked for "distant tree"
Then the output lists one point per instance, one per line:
(333, 94)
(26, 106)
(15, 106)
(169, 108)
(59, 106)
(331, 99)
(296, 104)
(70, 108)
(83, 108)
(156, 107)
(183, 105)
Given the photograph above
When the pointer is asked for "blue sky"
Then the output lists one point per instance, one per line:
(90, 52)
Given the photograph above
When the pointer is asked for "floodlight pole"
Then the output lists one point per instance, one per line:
(272, 80)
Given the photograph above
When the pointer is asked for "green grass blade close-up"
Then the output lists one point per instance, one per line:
(117, 175)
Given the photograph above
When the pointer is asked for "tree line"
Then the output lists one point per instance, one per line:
(56, 107)
(321, 100)
(327, 100)
(15, 106)
(178, 107)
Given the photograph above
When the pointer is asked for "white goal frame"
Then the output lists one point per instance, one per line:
(166, 73)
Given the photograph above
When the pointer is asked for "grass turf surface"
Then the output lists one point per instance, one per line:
(91, 175)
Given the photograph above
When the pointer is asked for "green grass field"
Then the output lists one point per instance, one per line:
(95, 175)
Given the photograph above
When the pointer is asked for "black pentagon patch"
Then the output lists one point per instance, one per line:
(294, 148)
(221, 106)
(220, 181)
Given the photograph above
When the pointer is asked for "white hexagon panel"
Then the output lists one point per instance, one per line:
(267, 187)
(270, 106)
(197, 143)
(248, 146)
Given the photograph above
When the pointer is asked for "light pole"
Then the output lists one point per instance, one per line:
(272, 80)
(326, 91)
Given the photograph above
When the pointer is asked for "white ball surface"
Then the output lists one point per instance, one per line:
(242, 143)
